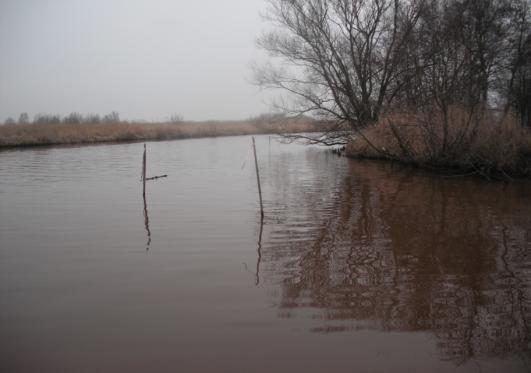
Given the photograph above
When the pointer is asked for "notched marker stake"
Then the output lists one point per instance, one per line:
(144, 169)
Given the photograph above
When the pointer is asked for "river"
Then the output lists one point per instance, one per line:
(358, 266)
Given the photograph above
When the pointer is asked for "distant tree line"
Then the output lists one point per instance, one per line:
(72, 118)
(353, 61)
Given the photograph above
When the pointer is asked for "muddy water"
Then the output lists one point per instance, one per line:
(357, 266)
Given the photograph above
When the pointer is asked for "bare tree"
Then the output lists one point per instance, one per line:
(10, 121)
(92, 119)
(47, 119)
(112, 117)
(353, 61)
(23, 118)
(176, 119)
(339, 58)
(466, 55)
(73, 118)
(518, 88)
(519, 91)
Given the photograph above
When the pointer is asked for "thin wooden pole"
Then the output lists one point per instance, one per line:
(144, 172)
(258, 180)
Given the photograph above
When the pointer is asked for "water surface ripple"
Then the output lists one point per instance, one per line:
(357, 266)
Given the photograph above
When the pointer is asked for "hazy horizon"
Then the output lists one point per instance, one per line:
(146, 60)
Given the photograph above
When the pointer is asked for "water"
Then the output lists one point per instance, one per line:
(358, 266)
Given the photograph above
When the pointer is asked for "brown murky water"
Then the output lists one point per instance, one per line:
(357, 267)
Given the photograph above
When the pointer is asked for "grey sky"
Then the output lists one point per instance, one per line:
(146, 59)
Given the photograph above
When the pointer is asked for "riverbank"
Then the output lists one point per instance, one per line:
(493, 149)
(17, 135)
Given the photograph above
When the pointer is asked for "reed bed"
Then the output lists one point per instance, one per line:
(12, 135)
(498, 148)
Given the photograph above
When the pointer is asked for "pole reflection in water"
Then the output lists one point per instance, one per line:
(380, 249)
(259, 250)
(146, 221)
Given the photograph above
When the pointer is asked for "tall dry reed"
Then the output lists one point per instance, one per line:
(479, 142)
(83, 133)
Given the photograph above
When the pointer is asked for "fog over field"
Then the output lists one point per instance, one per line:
(144, 59)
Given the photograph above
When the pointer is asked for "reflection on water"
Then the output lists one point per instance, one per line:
(146, 220)
(259, 249)
(384, 249)
(358, 266)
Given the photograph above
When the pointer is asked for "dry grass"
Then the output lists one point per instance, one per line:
(483, 144)
(64, 133)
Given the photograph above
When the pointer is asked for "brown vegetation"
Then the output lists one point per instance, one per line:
(85, 133)
(482, 144)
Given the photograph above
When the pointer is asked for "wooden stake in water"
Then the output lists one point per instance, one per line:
(258, 180)
(144, 172)
(144, 179)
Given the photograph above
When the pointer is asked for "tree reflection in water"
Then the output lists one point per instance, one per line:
(380, 248)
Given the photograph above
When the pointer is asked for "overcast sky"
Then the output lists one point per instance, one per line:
(146, 59)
